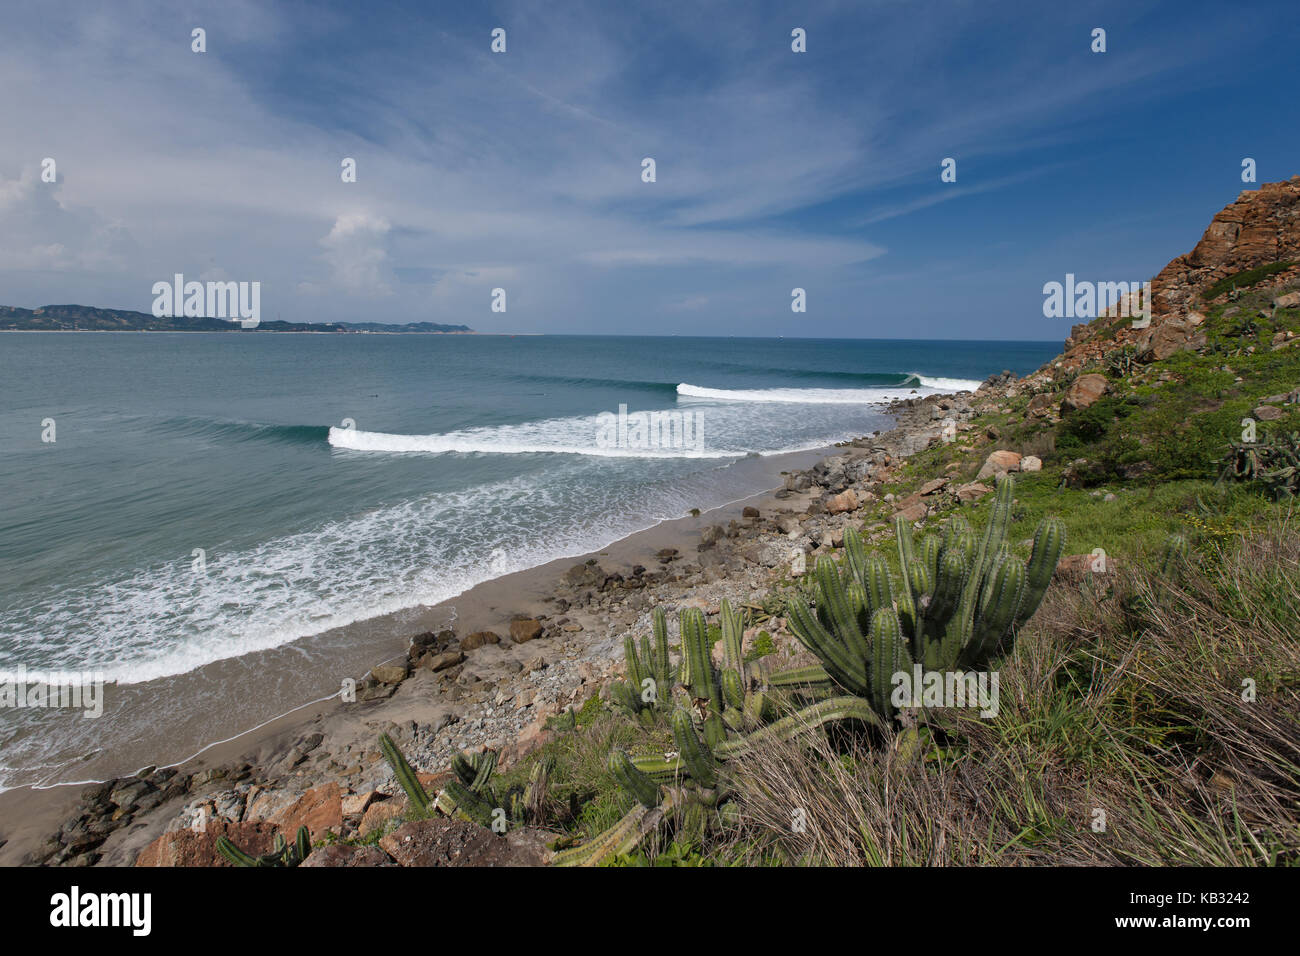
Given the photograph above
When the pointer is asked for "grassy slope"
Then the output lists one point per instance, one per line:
(1123, 694)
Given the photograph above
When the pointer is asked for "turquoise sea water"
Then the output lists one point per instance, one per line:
(203, 500)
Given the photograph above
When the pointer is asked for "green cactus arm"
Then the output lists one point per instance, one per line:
(733, 630)
(631, 661)
(660, 768)
(856, 553)
(622, 837)
(1049, 545)
(824, 711)
(406, 777)
(468, 804)
(486, 765)
(695, 643)
(800, 676)
(846, 670)
(1006, 588)
(839, 607)
(994, 536)
(733, 692)
(695, 752)
(889, 655)
(234, 854)
(662, 667)
(880, 592)
(638, 784)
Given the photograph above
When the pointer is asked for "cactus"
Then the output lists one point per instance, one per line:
(647, 689)
(406, 777)
(281, 854)
(954, 604)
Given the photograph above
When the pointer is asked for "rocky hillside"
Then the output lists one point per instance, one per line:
(1253, 241)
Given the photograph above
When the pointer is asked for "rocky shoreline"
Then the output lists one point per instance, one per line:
(497, 689)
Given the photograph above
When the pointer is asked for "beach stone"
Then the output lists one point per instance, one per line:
(126, 797)
(440, 662)
(1031, 463)
(999, 463)
(375, 690)
(749, 512)
(1085, 390)
(476, 640)
(319, 810)
(390, 673)
(525, 630)
(342, 855)
(442, 842)
(843, 502)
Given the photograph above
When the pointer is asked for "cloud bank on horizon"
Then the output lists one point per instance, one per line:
(522, 170)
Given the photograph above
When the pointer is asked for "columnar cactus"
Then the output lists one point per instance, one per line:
(953, 604)
(281, 854)
(648, 687)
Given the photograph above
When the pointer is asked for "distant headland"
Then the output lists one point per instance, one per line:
(84, 318)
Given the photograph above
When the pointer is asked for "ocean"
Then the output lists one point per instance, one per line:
(216, 497)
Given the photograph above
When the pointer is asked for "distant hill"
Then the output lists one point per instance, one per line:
(67, 318)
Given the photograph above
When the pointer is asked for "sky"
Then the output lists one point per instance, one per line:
(522, 170)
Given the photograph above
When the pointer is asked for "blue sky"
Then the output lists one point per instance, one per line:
(522, 170)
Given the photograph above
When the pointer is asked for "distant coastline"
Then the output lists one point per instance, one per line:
(83, 318)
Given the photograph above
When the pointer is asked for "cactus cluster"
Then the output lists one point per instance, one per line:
(1274, 463)
(647, 689)
(471, 795)
(721, 713)
(282, 854)
(954, 603)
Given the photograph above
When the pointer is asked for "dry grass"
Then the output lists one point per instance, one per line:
(1125, 698)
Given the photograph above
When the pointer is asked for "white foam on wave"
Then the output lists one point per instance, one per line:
(166, 620)
(945, 384)
(811, 396)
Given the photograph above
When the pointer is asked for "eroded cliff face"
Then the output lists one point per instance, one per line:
(1260, 228)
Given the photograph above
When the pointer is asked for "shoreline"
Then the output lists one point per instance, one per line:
(29, 814)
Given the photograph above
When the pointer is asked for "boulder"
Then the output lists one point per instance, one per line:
(1289, 300)
(1031, 463)
(319, 810)
(999, 463)
(447, 842)
(972, 492)
(1268, 413)
(391, 673)
(913, 512)
(380, 812)
(843, 502)
(187, 847)
(341, 854)
(525, 630)
(1085, 390)
(933, 485)
(440, 662)
(472, 641)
